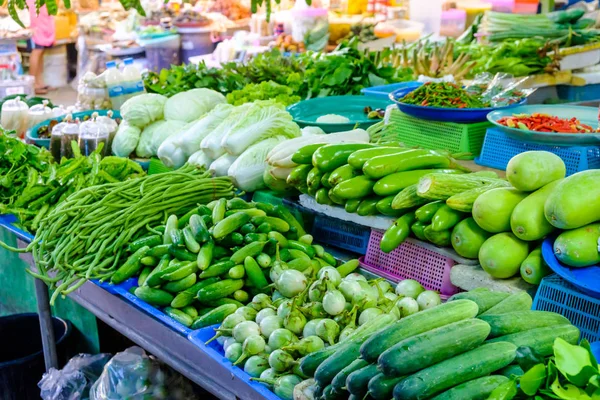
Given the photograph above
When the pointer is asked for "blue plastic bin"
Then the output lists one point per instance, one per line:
(557, 295)
(498, 149)
(122, 290)
(578, 93)
(333, 231)
(215, 351)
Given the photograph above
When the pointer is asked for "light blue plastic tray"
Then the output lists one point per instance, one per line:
(587, 115)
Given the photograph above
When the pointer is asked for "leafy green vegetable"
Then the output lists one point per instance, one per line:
(347, 70)
(575, 362)
(31, 184)
(533, 379)
(263, 91)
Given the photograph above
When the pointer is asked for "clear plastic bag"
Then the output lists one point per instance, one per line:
(134, 375)
(500, 89)
(74, 381)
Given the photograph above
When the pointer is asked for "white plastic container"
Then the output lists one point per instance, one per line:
(39, 113)
(14, 115)
(114, 84)
(70, 132)
(428, 12)
(132, 79)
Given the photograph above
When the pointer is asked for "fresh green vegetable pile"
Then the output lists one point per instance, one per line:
(365, 178)
(444, 95)
(405, 344)
(32, 184)
(86, 235)
(520, 57)
(345, 71)
(564, 27)
(324, 322)
(209, 262)
(263, 91)
(571, 372)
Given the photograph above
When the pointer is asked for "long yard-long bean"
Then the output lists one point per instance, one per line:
(84, 236)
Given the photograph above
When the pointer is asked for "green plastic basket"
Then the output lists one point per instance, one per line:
(434, 135)
(157, 167)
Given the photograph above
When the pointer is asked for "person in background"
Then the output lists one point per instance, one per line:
(42, 27)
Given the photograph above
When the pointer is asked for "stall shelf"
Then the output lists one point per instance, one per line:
(149, 333)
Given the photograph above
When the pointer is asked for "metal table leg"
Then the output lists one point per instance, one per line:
(46, 328)
(44, 314)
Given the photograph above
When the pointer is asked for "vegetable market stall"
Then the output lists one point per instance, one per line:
(146, 331)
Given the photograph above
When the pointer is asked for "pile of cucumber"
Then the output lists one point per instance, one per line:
(364, 178)
(208, 263)
(461, 349)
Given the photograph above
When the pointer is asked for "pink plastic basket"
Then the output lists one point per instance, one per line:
(413, 259)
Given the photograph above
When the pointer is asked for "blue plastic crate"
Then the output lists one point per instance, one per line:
(498, 149)
(215, 351)
(557, 295)
(578, 93)
(122, 290)
(342, 234)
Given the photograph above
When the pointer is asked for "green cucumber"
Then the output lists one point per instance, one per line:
(310, 362)
(187, 297)
(338, 361)
(415, 324)
(476, 389)
(357, 382)
(431, 347)
(181, 284)
(229, 224)
(215, 316)
(219, 289)
(484, 298)
(155, 297)
(381, 387)
(515, 302)
(541, 340)
(339, 381)
(179, 316)
(473, 364)
(520, 321)
(384, 206)
(304, 154)
(533, 269)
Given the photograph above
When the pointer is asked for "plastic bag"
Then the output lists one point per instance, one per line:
(134, 375)
(74, 381)
(500, 89)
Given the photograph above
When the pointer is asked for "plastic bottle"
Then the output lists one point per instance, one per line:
(132, 79)
(114, 84)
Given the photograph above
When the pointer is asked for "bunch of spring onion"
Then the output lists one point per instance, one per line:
(85, 237)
